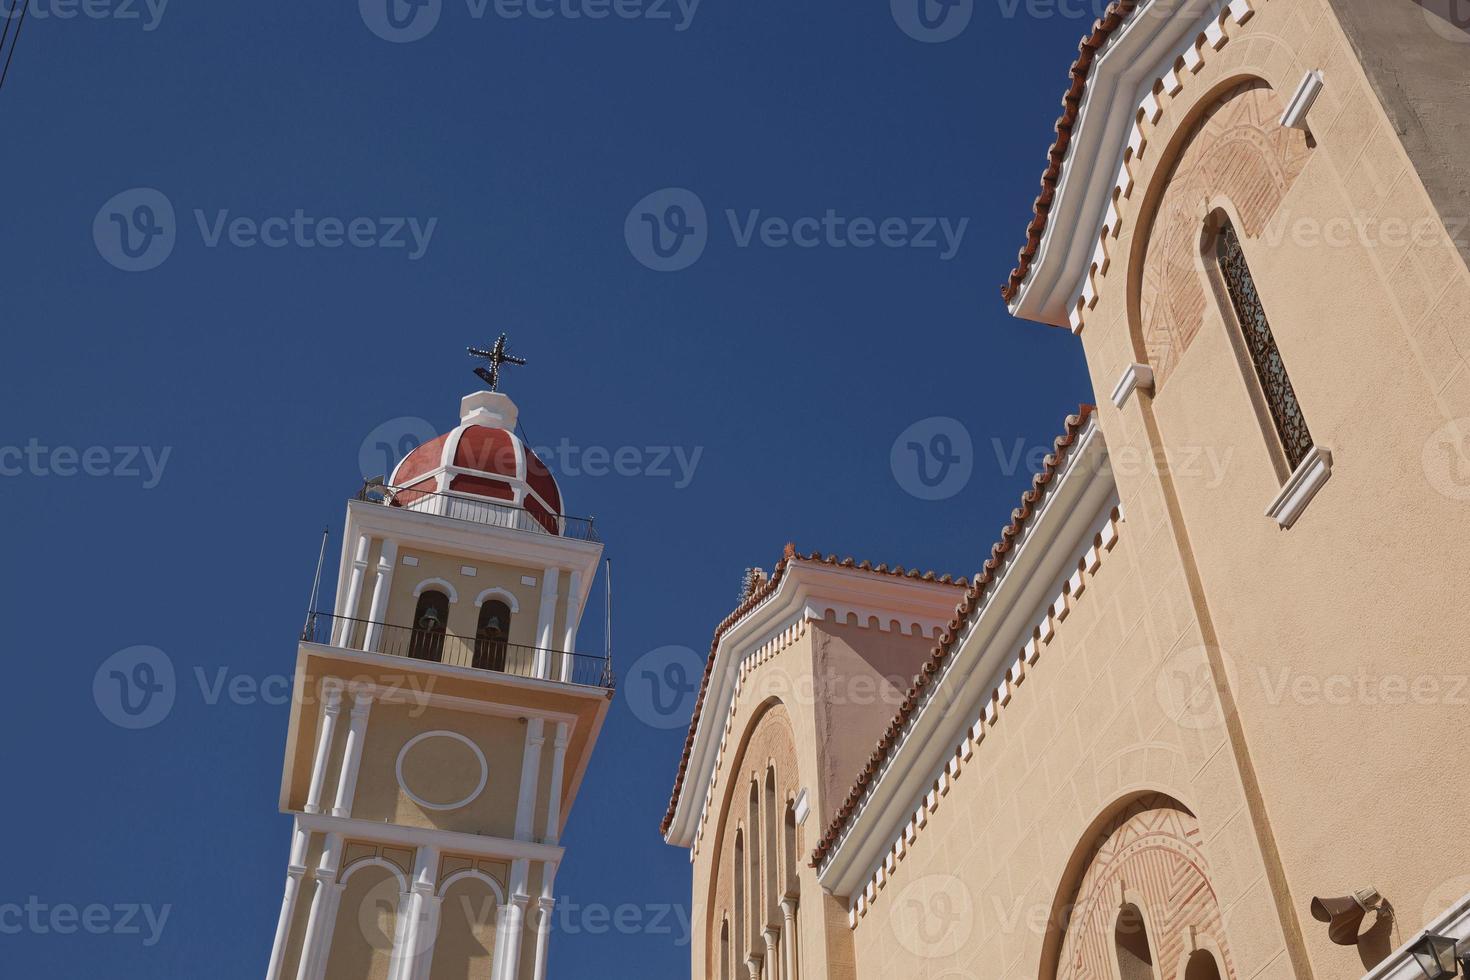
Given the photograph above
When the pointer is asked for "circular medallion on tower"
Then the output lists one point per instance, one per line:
(442, 770)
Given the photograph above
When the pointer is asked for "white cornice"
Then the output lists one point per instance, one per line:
(1046, 557)
(1453, 922)
(808, 590)
(1121, 77)
(445, 840)
(468, 538)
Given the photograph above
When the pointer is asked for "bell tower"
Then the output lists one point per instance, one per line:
(442, 720)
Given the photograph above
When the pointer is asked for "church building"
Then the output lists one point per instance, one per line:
(442, 720)
(1179, 724)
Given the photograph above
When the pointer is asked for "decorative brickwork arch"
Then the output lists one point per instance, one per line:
(749, 877)
(1238, 150)
(1146, 858)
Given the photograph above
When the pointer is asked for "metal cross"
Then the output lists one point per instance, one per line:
(496, 356)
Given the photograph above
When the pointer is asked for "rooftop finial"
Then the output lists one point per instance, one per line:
(496, 356)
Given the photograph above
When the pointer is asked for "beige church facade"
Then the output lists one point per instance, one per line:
(1177, 703)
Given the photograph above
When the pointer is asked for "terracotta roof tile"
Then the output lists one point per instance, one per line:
(755, 599)
(964, 612)
(1102, 30)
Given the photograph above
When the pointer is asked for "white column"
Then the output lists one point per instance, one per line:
(530, 777)
(379, 609)
(398, 958)
(773, 963)
(545, 906)
(558, 767)
(753, 964)
(788, 937)
(331, 708)
(512, 922)
(546, 619)
(295, 872)
(421, 927)
(322, 919)
(347, 608)
(362, 703)
(569, 633)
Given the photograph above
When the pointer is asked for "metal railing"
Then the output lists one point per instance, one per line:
(480, 510)
(436, 646)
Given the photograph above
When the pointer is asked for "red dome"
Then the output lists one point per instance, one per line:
(481, 458)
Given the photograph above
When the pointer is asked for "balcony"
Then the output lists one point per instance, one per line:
(436, 646)
(479, 510)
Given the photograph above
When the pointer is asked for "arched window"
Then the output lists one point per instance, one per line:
(739, 861)
(429, 620)
(1260, 347)
(1201, 966)
(790, 886)
(725, 950)
(492, 636)
(772, 908)
(754, 940)
(1130, 937)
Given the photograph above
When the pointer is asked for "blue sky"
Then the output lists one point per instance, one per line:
(184, 410)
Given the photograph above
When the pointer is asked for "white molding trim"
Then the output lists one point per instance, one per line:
(456, 736)
(1140, 53)
(1295, 116)
(1453, 922)
(478, 875)
(1135, 376)
(497, 591)
(1077, 508)
(802, 808)
(806, 591)
(446, 587)
(1301, 487)
(473, 845)
(374, 861)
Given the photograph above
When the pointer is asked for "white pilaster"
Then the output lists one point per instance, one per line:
(530, 773)
(322, 918)
(546, 906)
(386, 559)
(331, 708)
(511, 925)
(558, 766)
(773, 963)
(546, 619)
(574, 618)
(422, 918)
(295, 872)
(362, 704)
(349, 603)
(788, 938)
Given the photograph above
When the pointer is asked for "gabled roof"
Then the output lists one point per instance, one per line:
(1010, 535)
(789, 557)
(1078, 75)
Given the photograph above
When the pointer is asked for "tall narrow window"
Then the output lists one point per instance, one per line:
(739, 948)
(429, 619)
(1130, 937)
(754, 940)
(492, 636)
(725, 950)
(1286, 413)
